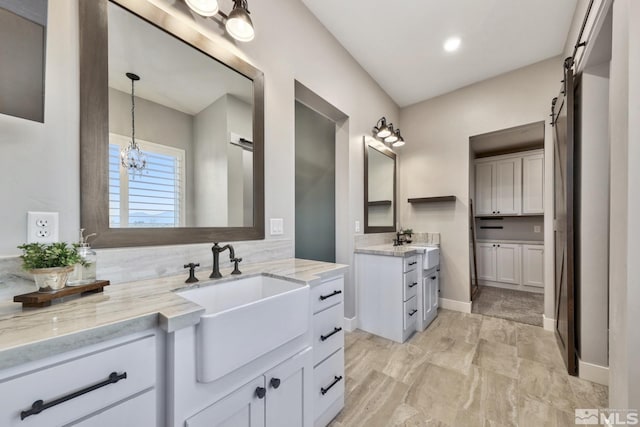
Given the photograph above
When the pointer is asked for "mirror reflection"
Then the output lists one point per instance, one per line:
(193, 121)
(380, 207)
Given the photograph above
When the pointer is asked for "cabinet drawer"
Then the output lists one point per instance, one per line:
(327, 294)
(136, 412)
(410, 263)
(410, 285)
(328, 335)
(410, 313)
(328, 382)
(137, 359)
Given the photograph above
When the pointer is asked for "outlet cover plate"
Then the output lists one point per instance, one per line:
(42, 227)
(277, 226)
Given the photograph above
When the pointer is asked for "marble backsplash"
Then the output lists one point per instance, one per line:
(120, 265)
(364, 240)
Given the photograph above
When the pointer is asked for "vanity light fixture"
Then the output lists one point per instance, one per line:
(132, 158)
(386, 133)
(238, 23)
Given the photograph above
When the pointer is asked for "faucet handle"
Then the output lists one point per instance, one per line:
(235, 262)
(192, 272)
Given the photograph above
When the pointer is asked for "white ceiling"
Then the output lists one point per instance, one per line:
(400, 43)
(171, 73)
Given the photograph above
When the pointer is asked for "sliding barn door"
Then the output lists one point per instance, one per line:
(563, 121)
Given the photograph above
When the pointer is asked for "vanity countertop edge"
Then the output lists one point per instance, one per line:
(396, 251)
(35, 333)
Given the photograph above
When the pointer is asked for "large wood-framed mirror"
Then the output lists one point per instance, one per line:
(379, 187)
(198, 112)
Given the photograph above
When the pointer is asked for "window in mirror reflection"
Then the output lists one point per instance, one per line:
(152, 198)
(194, 121)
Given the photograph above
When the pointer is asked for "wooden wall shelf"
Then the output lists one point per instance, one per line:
(380, 203)
(432, 199)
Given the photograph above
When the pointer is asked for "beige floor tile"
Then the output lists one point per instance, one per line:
(374, 402)
(498, 330)
(588, 394)
(496, 357)
(536, 344)
(450, 353)
(534, 413)
(537, 381)
(403, 361)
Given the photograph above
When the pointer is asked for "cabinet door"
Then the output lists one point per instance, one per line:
(484, 189)
(486, 253)
(508, 182)
(533, 265)
(533, 184)
(242, 408)
(288, 397)
(508, 263)
(429, 297)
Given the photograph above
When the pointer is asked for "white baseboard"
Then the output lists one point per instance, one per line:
(451, 304)
(548, 323)
(350, 324)
(594, 373)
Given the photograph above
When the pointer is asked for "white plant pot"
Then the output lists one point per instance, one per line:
(51, 279)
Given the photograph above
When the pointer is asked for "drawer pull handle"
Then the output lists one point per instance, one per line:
(433, 277)
(261, 392)
(332, 294)
(275, 382)
(336, 380)
(412, 312)
(330, 334)
(413, 263)
(413, 284)
(39, 405)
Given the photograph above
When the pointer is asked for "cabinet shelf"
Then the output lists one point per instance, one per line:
(432, 199)
(380, 203)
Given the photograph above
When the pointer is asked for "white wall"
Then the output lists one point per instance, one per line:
(435, 160)
(41, 159)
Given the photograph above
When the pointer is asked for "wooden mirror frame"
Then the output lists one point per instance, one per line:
(94, 130)
(389, 153)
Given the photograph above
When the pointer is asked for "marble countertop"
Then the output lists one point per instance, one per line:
(514, 242)
(34, 333)
(390, 250)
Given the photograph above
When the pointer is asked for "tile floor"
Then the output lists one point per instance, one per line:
(524, 307)
(465, 370)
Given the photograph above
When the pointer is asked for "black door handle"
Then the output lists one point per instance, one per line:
(413, 284)
(413, 312)
(39, 405)
(335, 331)
(261, 392)
(332, 294)
(275, 382)
(336, 380)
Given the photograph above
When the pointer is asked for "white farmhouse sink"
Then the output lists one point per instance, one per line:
(244, 320)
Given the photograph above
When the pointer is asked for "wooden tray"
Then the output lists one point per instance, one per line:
(44, 299)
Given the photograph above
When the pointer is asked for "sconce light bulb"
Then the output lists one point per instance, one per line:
(203, 7)
(239, 23)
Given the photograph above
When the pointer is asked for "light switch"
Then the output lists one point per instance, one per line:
(357, 226)
(277, 226)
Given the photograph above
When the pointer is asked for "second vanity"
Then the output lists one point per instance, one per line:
(262, 349)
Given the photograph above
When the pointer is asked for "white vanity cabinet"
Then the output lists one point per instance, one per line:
(112, 383)
(275, 399)
(387, 295)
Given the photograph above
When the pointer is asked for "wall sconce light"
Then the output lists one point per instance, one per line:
(386, 133)
(238, 23)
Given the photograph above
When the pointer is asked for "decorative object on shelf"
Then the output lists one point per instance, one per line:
(44, 299)
(432, 199)
(84, 271)
(132, 158)
(50, 264)
(386, 133)
(238, 23)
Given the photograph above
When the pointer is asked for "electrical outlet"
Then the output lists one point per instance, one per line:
(357, 226)
(537, 229)
(277, 226)
(42, 227)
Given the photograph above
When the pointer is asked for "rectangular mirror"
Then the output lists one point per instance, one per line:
(196, 112)
(23, 37)
(379, 188)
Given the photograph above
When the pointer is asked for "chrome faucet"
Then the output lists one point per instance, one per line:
(216, 249)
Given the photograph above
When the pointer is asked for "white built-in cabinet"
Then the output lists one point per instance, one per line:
(511, 184)
(511, 263)
(429, 296)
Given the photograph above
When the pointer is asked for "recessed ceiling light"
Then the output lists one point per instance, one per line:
(452, 44)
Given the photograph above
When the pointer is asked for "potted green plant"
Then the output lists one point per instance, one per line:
(50, 263)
